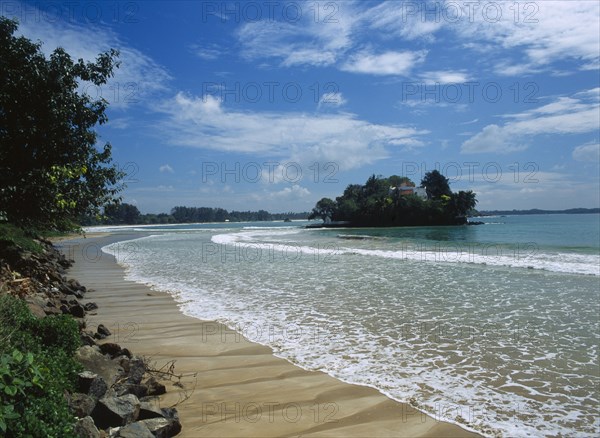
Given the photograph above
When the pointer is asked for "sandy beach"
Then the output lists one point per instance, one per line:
(231, 386)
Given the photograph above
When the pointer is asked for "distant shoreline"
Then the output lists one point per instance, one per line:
(538, 211)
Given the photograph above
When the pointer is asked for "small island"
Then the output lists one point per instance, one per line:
(395, 202)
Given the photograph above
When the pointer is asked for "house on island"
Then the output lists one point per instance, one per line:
(409, 190)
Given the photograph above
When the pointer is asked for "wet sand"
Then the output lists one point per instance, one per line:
(231, 386)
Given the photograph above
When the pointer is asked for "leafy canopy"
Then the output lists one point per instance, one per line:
(51, 171)
(379, 202)
(436, 185)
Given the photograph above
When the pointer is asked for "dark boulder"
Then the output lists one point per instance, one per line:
(85, 428)
(90, 306)
(92, 359)
(111, 349)
(103, 331)
(81, 405)
(130, 388)
(150, 408)
(113, 411)
(77, 310)
(135, 430)
(137, 369)
(162, 427)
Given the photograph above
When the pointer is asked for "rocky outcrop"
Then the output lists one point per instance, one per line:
(116, 395)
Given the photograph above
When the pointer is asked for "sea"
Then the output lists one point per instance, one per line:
(494, 327)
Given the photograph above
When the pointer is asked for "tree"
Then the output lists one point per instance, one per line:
(324, 209)
(51, 172)
(374, 204)
(436, 185)
(463, 202)
(122, 214)
(397, 181)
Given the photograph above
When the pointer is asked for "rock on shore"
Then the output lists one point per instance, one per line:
(117, 394)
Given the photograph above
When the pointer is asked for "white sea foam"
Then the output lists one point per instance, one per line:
(524, 257)
(464, 340)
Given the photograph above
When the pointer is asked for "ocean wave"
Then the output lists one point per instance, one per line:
(492, 255)
(401, 356)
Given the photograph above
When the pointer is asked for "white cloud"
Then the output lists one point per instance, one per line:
(445, 77)
(120, 123)
(341, 137)
(332, 99)
(401, 20)
(566, 115)
(208, 52)
(138, 76)
(165, 168)
(291, 193)
(388, 63)
(589, 152)
(542, 33)
(540, 189)
(526, 38)
(493, 138)
(305, 43)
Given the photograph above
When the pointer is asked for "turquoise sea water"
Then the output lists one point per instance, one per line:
(493, 326)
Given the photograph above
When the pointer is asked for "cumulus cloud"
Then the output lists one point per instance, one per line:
(445, 77)
(203, 122)
(565, 115)
(333, 99)
(387, 63)
(291, 193)
(165, 168)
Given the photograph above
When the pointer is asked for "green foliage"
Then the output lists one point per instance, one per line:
(379, 202)
(324, 209)
(36, 368)
(123, 213)
(436, 184)
(129, 214)
(12, 236)
(51, 171)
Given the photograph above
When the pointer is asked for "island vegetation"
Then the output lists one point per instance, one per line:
(395, 201)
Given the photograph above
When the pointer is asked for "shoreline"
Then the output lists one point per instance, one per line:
(231, 386)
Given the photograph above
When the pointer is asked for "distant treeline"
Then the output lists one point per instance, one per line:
(128, 214)
(538, 211)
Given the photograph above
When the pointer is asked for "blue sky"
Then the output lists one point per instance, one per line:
(273, 105)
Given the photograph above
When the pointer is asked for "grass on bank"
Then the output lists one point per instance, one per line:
(37, 366)
(11, 235)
